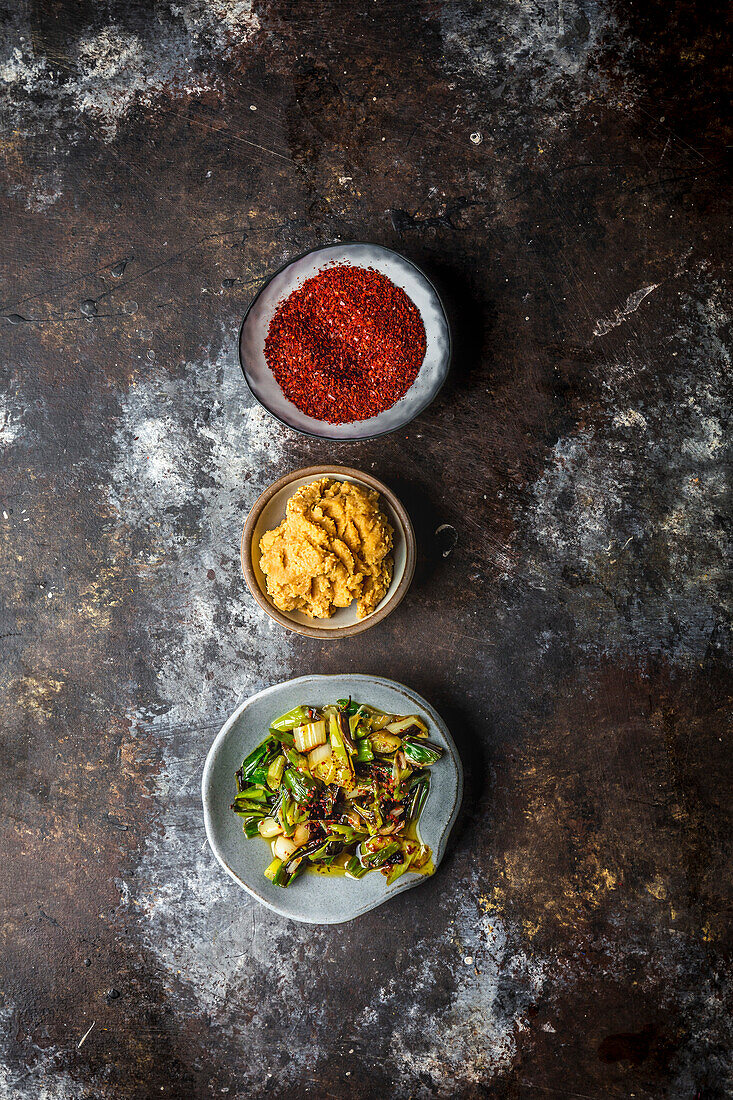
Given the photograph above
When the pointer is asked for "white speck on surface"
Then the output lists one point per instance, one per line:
(86, 1035)
(631, 305)
(228, 21)
(41, 194)
(11, 423)
(630, 418)
(21, 71)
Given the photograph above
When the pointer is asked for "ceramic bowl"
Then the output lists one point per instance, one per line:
(312, 898)
(404, 274)
(269, 510)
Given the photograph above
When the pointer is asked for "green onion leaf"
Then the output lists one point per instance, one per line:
(397, 870)
(284, 737)
(289, 721)
(302, 787)
(272, 869)
(420, 752)
(364, 754)
(417, 795)
(256, 758)
(275, 772)
(354, 869)
(378, 858)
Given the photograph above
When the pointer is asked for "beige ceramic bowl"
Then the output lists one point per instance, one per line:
(269, 510)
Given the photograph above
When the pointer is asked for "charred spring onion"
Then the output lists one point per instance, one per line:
(339, 790)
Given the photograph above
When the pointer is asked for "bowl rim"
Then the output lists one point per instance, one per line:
(389, 602)
(313, 252)
(402, 884)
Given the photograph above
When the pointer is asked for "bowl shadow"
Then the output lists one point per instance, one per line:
(422, 508)
(472, 320)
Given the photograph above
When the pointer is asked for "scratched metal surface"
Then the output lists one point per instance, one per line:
(157, 162)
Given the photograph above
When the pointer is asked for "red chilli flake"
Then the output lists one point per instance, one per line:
(346, 345)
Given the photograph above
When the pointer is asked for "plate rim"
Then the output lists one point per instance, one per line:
(401, 884)
(313, 252)
(388, 604)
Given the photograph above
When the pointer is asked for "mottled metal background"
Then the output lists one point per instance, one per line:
(158, 160)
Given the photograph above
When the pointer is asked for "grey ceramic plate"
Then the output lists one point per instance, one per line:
(312, 898)
(404, 274)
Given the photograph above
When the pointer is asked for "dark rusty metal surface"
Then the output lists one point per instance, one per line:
(158, 161)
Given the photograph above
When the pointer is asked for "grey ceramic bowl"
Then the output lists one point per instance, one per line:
(404, 274)
(315, 899)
